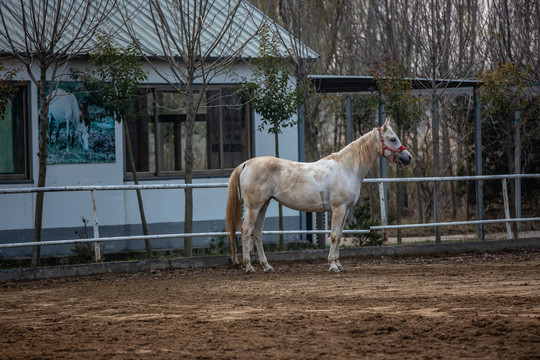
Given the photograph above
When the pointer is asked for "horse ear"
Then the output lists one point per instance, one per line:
(385, 125)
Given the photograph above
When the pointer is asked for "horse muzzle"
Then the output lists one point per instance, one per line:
(402, 157)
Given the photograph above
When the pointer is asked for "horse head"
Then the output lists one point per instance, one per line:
(83, 134)
(392, 149)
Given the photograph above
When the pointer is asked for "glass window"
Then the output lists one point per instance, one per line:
(158, 133)
(14, 162)
(235, 130)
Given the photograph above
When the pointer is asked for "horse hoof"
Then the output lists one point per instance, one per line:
(334, 269)
(341, 268)
(250, 270)
(269, 270)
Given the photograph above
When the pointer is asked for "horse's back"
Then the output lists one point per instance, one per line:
(270, 169)
(63, 106)
(300, 186)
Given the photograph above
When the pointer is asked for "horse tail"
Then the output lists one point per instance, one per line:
(233, 216)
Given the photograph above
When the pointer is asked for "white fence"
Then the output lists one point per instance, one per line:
(508, 219)
(384, 227)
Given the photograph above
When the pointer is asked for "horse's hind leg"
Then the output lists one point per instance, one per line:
(257, 236)
(247, 233)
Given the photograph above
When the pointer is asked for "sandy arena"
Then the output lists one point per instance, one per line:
(481, 306)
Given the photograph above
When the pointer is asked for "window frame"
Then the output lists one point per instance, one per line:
(26, 175)
(161, 174)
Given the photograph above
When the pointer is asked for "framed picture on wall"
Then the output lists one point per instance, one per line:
(78, 132)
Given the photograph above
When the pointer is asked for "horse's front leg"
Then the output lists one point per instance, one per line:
(335, 265)
(336, 254)
(338, 221)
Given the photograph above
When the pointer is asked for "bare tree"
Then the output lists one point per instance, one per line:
(199, 40)
(512, 33)
(47, 35)
(441, 40)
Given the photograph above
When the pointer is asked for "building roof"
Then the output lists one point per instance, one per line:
(246, 22)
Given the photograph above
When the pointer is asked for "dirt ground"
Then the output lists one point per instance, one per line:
(481, 306)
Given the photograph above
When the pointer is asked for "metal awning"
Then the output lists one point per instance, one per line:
(351, 84)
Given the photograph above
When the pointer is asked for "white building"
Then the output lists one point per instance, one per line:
(225, 135)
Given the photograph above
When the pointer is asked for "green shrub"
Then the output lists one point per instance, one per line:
(362, 220)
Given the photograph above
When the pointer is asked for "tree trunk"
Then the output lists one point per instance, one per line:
(189, 159)
(435, 54)
(138, 191)
(42, 155)
(280, 207)
(188, 217)
(312, 131)
(436, 185)
(312, 153)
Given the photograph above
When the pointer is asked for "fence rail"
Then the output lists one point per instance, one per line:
(169, 236)
(224, 185)
(384, 227)
(453, 223)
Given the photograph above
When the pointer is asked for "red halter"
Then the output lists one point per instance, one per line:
(384, 147)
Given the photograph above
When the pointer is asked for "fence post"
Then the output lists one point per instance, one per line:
(506, 209)
(517, 167)
(384, 219)
(478, 163)
(97, 249)
(436, 165)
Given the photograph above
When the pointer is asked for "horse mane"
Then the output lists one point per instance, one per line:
(359, 151)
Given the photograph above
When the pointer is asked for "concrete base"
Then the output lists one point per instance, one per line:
(214, 261)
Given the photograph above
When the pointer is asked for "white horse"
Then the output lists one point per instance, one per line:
(330, 184)
(64, 108)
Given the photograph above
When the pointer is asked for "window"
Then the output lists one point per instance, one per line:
(158, 127)
(14, 161)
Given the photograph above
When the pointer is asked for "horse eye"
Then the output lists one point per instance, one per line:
(393, 139)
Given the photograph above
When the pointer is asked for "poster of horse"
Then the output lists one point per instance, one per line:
(78, 132)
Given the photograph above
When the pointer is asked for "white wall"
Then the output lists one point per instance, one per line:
(65, 210)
